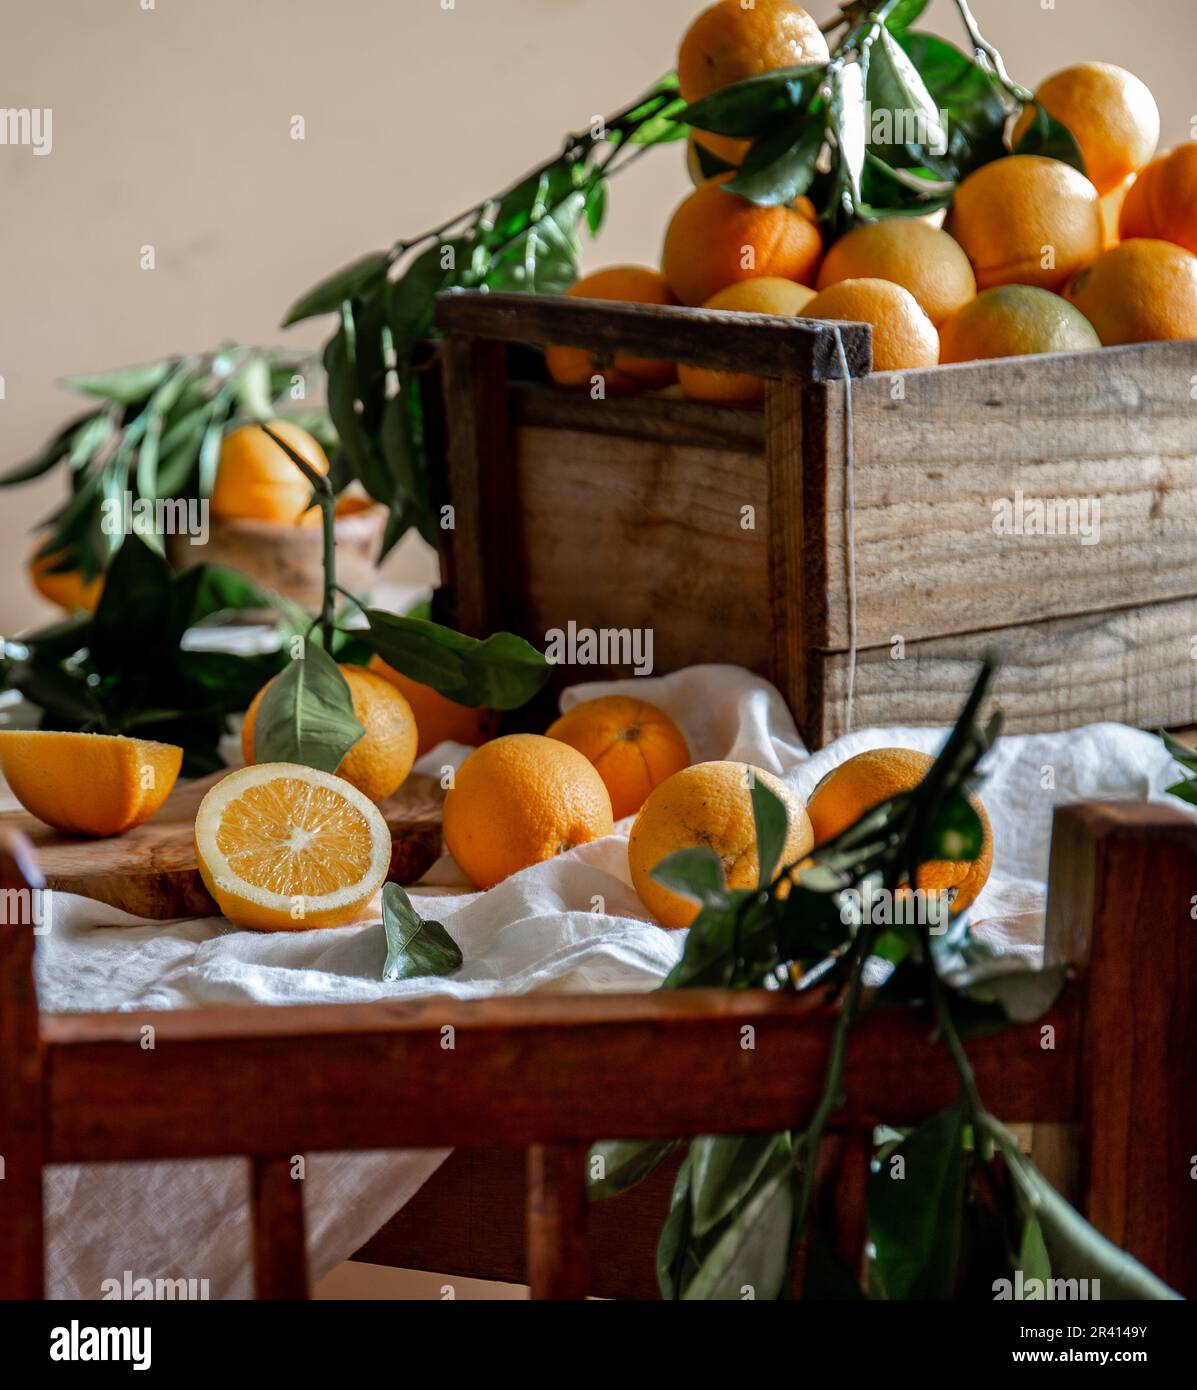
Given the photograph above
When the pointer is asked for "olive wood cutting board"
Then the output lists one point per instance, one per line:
(151, 871)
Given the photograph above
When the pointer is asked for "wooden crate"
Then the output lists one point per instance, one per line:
(724, 530)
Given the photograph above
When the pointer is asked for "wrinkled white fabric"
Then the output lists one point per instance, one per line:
(536, 931)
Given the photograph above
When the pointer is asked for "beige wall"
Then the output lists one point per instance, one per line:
(171, 127)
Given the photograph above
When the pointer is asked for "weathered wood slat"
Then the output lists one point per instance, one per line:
(280, 1250)
(521, 1071)
(557, 1213)
(661, 419)
(1117, 428)
(480, 463)
(1121, 889)
(1134, 666)
(787, 551)
(764, 344)
(21, 1112)
(692, 559)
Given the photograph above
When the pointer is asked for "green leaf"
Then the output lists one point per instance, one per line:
(1033, 1258)
(625, 1163)
(596, 206)
(972, 97)
(1075, 1249)
(1051, 138)
(331, 293)
(956, 832)
(306, 715)
(724, 1168)
(696, 873)
(57, 448)
(895, 85)
(674, 1240)
(1186, 790)
(416, 947)
(915, 1220)
(339, 368)
(501, 672)
(753, 1253)
(128, 385)
(772, 825)
(134, 604)
(781, 165)
(904, 14)
(745, 108)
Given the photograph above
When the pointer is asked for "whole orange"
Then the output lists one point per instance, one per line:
(438, 719)
(1140, 291)
(66, 588)
(768, 295)
(1012, 321)
(730, 41)
(256, 480)
(518, 801)
(922, 259)
(903, 336)
(633, 746)
(1026, 220)
(1161, 204)
(378, 763)
(628, 284)
(1111, 114)
(709, 804)
(716, 238)
(868, 779)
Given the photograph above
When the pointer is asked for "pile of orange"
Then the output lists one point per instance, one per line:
(1031, 257)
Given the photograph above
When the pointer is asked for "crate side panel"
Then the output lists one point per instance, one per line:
(951, 462)
(629, 533)
(1134, 666)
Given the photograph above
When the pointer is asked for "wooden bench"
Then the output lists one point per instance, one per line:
(1111, 1101)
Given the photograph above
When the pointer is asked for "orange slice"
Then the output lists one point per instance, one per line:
(286, 848)
(88, 784)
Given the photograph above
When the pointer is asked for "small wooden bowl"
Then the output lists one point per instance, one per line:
(289, 559)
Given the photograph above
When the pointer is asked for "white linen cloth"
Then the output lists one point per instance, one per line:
(534, 931)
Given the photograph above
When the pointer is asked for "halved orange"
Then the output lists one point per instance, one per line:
(88, 784)
(287, 848)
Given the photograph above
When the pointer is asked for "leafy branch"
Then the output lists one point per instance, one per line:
(970, 1208)
(525, 238)
(157, 435)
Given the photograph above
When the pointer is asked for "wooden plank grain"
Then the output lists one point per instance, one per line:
(765, 344)
(1134, 666)
(22, 1143)
(663, 538)
(558, 1211)
(789, 584)
(280, 1250)
(522, 1071)
(652, 416)
(482, 541)
(151, 871)
(938, 450)
(1121, 889)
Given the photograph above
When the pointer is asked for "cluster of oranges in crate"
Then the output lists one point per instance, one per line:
(1033, 255)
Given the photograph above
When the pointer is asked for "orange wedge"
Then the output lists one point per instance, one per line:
(286, 848)
(88, 784)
